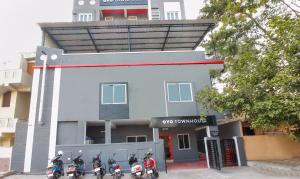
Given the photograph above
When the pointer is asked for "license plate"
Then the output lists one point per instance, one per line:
(50, 175)
(97, 169)
(71, 174)
(117, 170)
(138, 173)
(149, 171)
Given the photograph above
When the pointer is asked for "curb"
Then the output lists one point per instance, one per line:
(7, 174)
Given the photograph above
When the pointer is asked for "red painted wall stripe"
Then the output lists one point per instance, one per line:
(202, 62)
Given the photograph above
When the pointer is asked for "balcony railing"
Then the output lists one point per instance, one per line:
(15, 76)
(8, 125)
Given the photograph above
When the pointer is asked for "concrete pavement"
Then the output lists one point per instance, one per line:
(226, 173)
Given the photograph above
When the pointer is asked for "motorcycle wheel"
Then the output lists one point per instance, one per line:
(118, 177)
(71, 177)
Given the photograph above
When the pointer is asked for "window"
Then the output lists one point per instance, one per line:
(155, 14)
(30, 68)
(6, 99)
(85, 17)
(114, 94)
(180, 92)
(183, 141)
(109, 18)
(173, 15)
(132, 18)
(134, 139)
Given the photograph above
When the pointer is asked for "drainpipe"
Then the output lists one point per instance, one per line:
(41, 105)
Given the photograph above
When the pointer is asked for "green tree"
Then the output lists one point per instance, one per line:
(259, 41)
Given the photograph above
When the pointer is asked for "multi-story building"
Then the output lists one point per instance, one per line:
(109, 10)
(15, 85)
(116, 81)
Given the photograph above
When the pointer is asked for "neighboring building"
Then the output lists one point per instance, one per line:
(119, 86)
(111, 10)
(15, 85)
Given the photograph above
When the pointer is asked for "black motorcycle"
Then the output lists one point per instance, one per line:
(76, 169)
(114, 168)
(136, 168)
(99, 167)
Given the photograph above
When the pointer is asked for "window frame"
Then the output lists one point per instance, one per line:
(136, 136)
(184, 141)
(132, 18)
(113, 84)
(109, 18)
(180, 101)
(80, 15)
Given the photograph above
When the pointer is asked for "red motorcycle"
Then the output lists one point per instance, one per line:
(150, 166)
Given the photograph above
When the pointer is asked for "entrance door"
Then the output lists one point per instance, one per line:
(167, 145)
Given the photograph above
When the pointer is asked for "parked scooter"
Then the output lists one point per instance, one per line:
(99, 167)
(150, 166)
(76, 169)
(114, 168)
(136, 168)
(55, 168)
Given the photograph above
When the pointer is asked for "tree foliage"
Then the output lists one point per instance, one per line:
(260, 43)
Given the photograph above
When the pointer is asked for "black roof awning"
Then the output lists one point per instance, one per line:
(118, 36)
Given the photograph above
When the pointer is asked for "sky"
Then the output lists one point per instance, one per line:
(19, 31)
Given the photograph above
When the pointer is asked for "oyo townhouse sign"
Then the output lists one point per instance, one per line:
(182, 121)
(122, 2)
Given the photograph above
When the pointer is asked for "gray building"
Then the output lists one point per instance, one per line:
(124, 86)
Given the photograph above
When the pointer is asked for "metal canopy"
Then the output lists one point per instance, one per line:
(118, 36)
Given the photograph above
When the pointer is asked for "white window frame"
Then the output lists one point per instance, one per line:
(136, 136)
(113, 84)
(180, 101)
(109, 18)
(89, 17)
(173, 12)
(183, 141)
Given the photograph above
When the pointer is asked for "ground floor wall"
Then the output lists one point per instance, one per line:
(190, 154)
(122, 150)
(266, 147)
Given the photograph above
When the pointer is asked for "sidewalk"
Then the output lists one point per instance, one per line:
(226, 173)
(278, 167)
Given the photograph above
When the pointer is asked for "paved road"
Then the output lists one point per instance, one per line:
(227, 173)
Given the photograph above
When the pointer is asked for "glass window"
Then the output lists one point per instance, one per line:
(183, 141)
(131, 139)
(114, 94)
(136, 139)
(180, 92)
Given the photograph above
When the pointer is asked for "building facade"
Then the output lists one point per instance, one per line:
(15, 85)
(110, 10)
(121, 78)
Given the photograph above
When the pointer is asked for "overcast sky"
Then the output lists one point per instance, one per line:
(19, 31)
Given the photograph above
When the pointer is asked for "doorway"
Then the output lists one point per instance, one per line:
(168, 146)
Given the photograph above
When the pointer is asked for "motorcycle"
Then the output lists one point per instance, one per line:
(114, 168)
(136, 168)
(150, 166)
(76, 169)
(99, 167)
(55, 168)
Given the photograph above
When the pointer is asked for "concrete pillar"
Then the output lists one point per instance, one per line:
(108, 132)
(155, 134)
